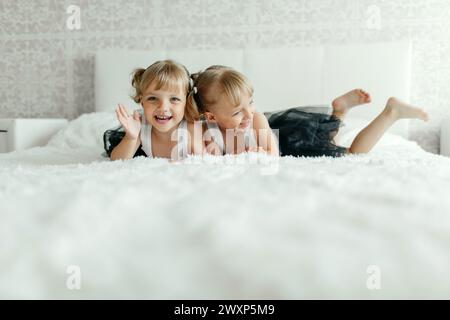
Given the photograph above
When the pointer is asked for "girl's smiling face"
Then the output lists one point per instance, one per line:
(164, 107)
(229, 116)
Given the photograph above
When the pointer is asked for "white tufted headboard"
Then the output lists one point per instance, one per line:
(282, 77)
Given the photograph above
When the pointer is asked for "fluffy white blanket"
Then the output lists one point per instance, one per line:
(222, 228)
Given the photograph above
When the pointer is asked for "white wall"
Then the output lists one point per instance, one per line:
(46, 70)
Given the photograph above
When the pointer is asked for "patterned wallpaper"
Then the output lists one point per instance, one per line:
(47, 48)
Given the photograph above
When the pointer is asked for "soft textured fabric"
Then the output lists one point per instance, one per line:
(302, 132)
(217, 228)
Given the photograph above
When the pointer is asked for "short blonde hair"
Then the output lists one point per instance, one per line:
(166, 74)
(229, 81)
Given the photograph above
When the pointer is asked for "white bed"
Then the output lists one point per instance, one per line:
(219, 228)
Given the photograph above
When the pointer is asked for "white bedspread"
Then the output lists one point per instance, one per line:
(147, 228)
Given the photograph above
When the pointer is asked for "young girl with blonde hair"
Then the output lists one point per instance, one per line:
(161, 130)
(224, 97)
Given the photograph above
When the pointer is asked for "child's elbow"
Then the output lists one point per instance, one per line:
(116, 155)
(113, 157)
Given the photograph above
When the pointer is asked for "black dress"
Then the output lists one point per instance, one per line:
(306, 132)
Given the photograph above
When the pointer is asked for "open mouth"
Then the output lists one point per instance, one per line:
(163, 119)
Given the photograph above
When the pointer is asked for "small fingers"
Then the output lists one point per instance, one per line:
(137, 115)
(120, 110)
(261, 150)
(124, 111)
(119, 114)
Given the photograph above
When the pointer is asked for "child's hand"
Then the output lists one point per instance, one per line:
(213, 149)
(131, 124)
(256, 149)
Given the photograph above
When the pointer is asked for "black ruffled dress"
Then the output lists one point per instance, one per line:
(306, 132)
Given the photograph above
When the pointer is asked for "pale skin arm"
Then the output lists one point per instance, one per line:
(265, 137)
(130, 143)
(209, 146)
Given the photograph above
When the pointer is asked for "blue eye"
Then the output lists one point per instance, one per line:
(175, 99)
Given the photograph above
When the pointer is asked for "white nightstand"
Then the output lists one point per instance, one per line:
(18, 134)
(445, 138)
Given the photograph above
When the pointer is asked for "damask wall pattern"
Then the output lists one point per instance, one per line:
(47, 69)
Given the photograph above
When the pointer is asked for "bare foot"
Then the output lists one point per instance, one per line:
(349, 100)
(402, 110)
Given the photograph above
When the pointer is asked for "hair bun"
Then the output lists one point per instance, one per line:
(135, 82)
(195, 76)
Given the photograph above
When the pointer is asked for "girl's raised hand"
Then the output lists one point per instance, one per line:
(256, 149)
(131, 124)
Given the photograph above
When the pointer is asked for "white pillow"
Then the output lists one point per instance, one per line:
(85, 132)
